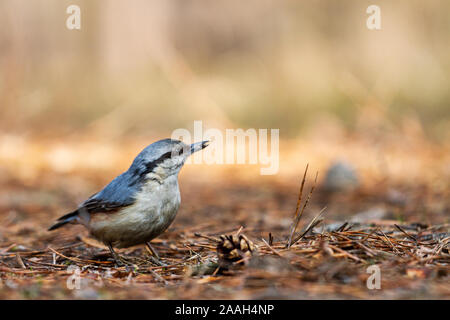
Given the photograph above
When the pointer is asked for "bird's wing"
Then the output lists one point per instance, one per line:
(99, 205)
(117, 194)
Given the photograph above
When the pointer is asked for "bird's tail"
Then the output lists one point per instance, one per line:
(64, 219)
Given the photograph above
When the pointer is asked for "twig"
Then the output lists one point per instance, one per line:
(369, 252)
(270, 238)
(407, 234)
(341, 228)
(197, 234)
(22, 271)
(314, 222)
(271, 249)
(239, 231)
(158, 277)
(389, 241)
(77, 259)
(346, 253)
(20, 261)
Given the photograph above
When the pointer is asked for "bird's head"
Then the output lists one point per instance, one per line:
(163, 158)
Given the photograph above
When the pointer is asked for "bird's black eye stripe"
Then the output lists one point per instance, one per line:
(167, 155)
(152, 165)
(139, 173)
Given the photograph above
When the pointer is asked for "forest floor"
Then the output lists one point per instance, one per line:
(395, 220)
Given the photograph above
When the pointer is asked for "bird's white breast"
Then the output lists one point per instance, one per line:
(154, 210)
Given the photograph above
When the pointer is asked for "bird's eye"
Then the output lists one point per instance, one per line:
(177, 152)
(167, 155)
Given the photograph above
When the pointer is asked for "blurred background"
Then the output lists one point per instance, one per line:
(150, 66)
(83, 103)
(368, 109)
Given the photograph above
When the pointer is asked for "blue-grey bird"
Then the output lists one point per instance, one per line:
(139, 204)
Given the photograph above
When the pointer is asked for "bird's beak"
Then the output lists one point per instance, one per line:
(199, 146)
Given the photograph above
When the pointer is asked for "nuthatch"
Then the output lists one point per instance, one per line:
(141, 203)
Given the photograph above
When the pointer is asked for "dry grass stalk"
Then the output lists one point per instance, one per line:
(298, 214)
(314, 222)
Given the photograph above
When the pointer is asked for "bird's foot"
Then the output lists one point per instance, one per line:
(157, 262)
(122, 261)
(154, 256)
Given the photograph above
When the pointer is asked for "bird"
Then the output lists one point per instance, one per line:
(139, 204)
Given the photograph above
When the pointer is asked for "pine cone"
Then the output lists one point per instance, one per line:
(232, 248)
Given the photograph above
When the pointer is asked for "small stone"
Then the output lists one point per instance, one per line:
(341, 176)
(376, 213)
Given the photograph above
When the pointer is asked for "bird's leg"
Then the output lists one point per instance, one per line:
(152, 250)
(120, 261)
(154, 255)
(114, 254)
